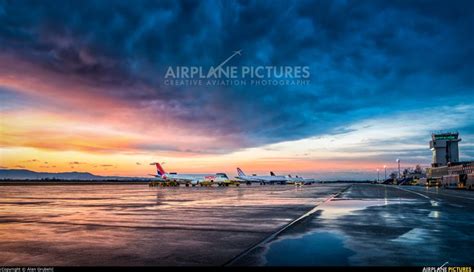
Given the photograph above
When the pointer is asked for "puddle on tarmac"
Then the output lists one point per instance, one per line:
(341, 207)
(319, 248)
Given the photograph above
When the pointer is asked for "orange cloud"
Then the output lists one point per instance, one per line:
(73, 114)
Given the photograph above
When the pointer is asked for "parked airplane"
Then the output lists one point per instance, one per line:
(191, 179)
(272, 179)
(294, 180)
(299, 180)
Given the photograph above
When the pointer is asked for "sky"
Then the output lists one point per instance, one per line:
(82, 85)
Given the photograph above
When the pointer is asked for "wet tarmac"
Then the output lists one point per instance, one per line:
(135, 225)
(376, 225)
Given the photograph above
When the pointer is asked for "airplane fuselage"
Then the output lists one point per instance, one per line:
(195, 179)
(263, 179)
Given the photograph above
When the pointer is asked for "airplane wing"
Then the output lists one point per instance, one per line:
(245, 178)
(253, 179)
(158, 178)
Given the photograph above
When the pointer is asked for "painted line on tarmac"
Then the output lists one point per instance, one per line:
(462, 197)
(438, 195)
(432, 201)
(284, 228)
(433, 193)
(417, 193)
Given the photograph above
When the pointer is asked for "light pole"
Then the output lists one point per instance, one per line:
(398, 161)
(378, 176)
(385, 168)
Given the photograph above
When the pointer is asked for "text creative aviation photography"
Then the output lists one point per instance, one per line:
(287, 134)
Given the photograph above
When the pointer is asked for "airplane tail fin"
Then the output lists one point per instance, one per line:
(240, 172)
(272, 174)
(159, 169)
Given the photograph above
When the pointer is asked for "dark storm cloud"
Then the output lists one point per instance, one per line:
(366, 57)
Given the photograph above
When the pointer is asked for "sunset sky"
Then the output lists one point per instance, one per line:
(81, 85)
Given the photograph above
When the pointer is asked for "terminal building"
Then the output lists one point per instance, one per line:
(446, 156)
(445, 148)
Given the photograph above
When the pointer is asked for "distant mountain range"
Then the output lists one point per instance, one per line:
(20, 174)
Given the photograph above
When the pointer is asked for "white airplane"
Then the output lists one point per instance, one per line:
(272, 179)
(294, 180)
(191, 179)
(299, 180)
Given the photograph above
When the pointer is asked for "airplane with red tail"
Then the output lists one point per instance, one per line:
(191, 179)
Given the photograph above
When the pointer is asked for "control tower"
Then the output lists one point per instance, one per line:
(445, 148)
